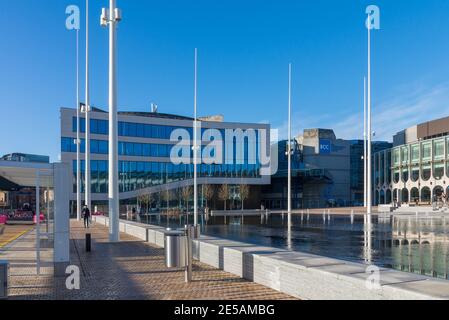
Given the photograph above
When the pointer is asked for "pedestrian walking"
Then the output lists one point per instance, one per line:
(86, 216)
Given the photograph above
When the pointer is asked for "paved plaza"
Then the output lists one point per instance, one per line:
(128, 270)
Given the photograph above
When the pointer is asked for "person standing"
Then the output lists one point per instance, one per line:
(86, 216)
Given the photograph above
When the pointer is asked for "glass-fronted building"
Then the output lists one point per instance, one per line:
(148, 142)
(417, 168)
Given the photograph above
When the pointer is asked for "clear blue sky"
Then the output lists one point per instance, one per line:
(244, 50)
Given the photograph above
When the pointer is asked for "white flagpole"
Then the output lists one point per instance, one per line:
(364, 144)
(289, 148)
(195, 146)
(87, 188)
(369, 173)
(78, 140)
(113, 192)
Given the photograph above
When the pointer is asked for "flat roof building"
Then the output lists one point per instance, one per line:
(146, 149)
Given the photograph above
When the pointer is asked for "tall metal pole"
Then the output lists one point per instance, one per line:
(369, 173)
(195, 146)
(78, 139)
(365, 156)
(114, 234)
(289, 148)
(38, 223)
(87, 111)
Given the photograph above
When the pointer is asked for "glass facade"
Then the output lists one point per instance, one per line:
(129, 129)
(152, 166)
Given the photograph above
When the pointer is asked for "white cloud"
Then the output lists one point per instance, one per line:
(411, 106)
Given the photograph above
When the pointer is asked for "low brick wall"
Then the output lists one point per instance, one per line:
(301, 275)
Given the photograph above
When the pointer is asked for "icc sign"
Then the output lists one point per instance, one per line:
(325, 147)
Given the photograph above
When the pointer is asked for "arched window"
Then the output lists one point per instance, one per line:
(388, 196)
(438, 170)
(404, 197)
(415, 173)
(425, 194)
(414, 195)
(426, 172)
(405, 174)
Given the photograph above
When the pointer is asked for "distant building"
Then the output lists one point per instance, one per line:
(417, 168)
(13, 195)
(23, 157)
(326, 171)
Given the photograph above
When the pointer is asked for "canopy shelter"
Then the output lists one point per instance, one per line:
(24, 174)
(54, 180)
(6, 185)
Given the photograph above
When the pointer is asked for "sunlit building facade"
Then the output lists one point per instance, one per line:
(145, 149)
(417, 168)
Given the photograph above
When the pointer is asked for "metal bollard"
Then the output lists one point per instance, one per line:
(88, 242)
(4, 275)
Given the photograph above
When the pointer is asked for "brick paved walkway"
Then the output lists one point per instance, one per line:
(9, 233)
(133, 269)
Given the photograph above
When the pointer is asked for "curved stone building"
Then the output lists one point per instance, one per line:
(416, 168)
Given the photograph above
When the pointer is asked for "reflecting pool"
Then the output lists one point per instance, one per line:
(407, 243)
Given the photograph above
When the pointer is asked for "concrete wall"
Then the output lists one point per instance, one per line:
(301, 275)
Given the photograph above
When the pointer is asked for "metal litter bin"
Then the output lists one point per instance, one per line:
(175, 249)
(4, 270)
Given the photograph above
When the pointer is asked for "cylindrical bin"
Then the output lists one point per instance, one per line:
(4, 270)
(175, 249)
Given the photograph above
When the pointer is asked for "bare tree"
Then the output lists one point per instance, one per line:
(186, 195)
(223, 194)
(244, 193)
(208, 193)
(165, 196)
(144, 199)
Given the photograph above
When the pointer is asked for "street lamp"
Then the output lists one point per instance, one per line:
(110, 17)
(289, 155)
(87, 110)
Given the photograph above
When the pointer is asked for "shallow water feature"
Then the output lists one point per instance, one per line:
(406, 243)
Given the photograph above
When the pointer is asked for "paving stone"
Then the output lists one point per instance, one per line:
(129, 270)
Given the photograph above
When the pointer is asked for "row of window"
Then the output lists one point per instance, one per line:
(420, 152)
(139, 130)
(425, 172)
(124, 148)
(127, 129)
(135, 175)
(152, 150)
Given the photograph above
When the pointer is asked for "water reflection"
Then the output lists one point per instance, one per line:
(410, 244)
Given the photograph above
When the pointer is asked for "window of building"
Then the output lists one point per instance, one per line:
(415, 153)
(404, 175)
(404, 155)
(426, 151)
(438, 149)
(396, 157)
(415, 173)
(426, 172)
(438, 171)
(396, 176)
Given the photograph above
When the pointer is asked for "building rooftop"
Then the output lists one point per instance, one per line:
(24, 157)
(214, 118)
